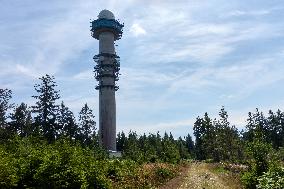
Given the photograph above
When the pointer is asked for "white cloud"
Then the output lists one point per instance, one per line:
(137, 30)
(84, 75)
(249, 13)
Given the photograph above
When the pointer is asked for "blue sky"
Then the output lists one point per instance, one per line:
(179, 59)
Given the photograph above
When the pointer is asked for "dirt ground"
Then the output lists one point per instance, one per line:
(199, 175)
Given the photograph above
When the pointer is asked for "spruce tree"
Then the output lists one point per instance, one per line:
(5, 96)
(46, 108)
(66, 123)
(87, 124)
(21, 121)
(182, 148)
(120, 142)
(190, 145)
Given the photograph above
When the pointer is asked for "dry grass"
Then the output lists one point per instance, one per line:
(199, 175)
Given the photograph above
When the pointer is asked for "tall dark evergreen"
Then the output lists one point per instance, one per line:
(217, 139)
(170, 149)
(275, 128)
(66, 123)
(227, 142)
(182, 148)
(87, 124)
(121, 141)
(46, 108)
(132, 149)
(5, 96)
(21, 121)
(190, 145)
(270, 129)
(204, 133)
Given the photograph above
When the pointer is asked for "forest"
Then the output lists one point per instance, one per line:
(45, 146)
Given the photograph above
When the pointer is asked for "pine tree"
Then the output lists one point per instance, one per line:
(154, 147)
(46, 108)
(204, 133)
(170, 152)
(199, 131)
(132, 150)
(227, 139)
(21, 121)
(190, 145)
(120, 141)
(87, 124)
(275, 128)
(5, 96)
(182, 148)
(66, 123)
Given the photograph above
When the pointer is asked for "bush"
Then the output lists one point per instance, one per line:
(258, 152)
(164, 173)
(272, 179)
(33, 163)
(8, 172)
(58, 165)
(249, 179)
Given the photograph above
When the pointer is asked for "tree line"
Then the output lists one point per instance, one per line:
(47, 118)
(216, 139)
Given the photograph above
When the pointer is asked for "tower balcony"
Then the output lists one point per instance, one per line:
(104, 24)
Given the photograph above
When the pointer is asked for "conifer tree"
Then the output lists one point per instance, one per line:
(205, 135)
(183, 150)
(5, 96)
(190, 145)
(46, 108)
(87, 124)
(132, 150)
(66, 123)
(21, 121)
(170, 152)
(121, 140)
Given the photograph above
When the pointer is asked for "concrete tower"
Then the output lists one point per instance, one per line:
(106, 29)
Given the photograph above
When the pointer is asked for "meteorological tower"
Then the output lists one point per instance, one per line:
(107, 30)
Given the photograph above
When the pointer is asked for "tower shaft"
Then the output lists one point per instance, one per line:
(107, 109)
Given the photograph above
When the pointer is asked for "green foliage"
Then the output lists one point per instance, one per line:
(249, 180)
(21, 121)
(152, 148)
(46, 108)
(164, 173)
(8, 172)
(66, 123)
(217, 139)
(272, 179)
(5, 96)
(34, 163)
(87, 125)
(258, 153)
(270, 129)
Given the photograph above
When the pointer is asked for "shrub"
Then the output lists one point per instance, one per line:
(272, 179)
(258, 152)
(32, 163)
(8, 172)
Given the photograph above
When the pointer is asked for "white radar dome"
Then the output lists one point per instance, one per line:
(106, 14)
